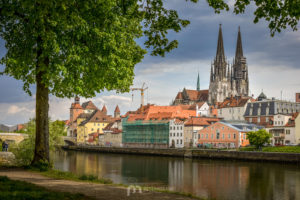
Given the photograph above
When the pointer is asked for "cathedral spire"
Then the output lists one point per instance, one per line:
(220, 55)
(239, 47)
(198, 82)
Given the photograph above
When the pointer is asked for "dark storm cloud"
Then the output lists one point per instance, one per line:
(199, 39)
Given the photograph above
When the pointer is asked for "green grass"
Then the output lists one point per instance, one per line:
(282, 149)
(19, 190)
(70, 176)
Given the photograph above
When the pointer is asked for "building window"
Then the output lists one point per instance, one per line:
(177, 134)
(234, 136)
(218, 135)
(212, 136)
(223, 136)
(177, 128)
(174, 134)
(170, 134)
(177, 141)
(258, 119)
(287, 132)
(180, 141)
(267, 119)
(92, 129)
(229, 136)
(180, 134)
(198, 136)
(202, 136)
(180, 127)
(170, 127)
(206, 136)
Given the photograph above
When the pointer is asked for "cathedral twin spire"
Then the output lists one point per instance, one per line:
(224, 80)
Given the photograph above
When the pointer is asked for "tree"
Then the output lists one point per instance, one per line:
(259, 138)
(81, 47)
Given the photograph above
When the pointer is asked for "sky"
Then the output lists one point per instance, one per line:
(273, 65)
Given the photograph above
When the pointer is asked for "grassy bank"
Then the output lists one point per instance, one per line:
(10, 189)
(282, 149)
(73, 177)
(90, 178)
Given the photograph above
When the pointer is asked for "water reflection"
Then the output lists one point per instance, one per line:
(204, 178)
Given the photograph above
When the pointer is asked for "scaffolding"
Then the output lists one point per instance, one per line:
(153, 132)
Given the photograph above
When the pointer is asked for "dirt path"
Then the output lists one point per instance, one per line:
(97, 191)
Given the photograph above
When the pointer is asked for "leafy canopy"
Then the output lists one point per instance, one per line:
(259, 138)
(86, 46)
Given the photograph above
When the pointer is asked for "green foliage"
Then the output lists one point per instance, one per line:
(10, 189)
(279, 14)
(259, 138)
(25, 150)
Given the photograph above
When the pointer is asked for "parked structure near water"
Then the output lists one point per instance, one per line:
(192, 126)
(226, 134)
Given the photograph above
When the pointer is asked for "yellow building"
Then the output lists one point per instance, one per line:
(88, 123)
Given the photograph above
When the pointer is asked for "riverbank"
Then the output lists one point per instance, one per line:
(196, 153)
(88, 189)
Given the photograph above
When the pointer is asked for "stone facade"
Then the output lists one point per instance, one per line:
(226, 82)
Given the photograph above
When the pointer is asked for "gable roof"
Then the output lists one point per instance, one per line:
(234, 102)
(193, 95)
(200, 121)
(97, 116)
(89, 105)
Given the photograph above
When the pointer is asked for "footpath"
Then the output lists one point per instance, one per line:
(93, 190)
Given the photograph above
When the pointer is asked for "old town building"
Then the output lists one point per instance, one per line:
(233, 108)
(225, 135)
(262, 111)
(194, 124)
(284, 128)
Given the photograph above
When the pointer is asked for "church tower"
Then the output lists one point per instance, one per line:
(198, 82)
(220, 77)
(240, 69)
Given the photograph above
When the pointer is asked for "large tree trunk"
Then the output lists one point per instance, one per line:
(41, 152)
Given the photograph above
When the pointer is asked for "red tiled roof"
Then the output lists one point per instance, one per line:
(193, 95)
(234, 102)
(89, 105)
(200, 121)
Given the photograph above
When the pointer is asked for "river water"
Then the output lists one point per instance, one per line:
(205, 178)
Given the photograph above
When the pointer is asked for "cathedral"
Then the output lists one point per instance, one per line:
(226, 80)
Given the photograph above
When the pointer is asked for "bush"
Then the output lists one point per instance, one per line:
(259, 138)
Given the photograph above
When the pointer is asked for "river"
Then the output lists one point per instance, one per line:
(216, 179)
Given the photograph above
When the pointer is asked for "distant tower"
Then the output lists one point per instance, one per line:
(75, 111)
(104, 110)
(198, 82)
(240, 69)
(117, 112)
(220, 82)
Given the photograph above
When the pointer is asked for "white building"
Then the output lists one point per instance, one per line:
(233, 108)
(202, 109)
(176, 133)
(285, 129)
